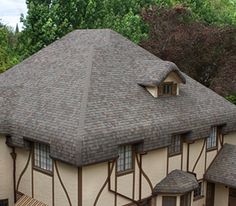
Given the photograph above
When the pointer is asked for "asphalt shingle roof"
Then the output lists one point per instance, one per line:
(177, 182)
(223, 168)
(81, 95)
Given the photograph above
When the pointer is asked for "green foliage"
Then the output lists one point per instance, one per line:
(232, 98)
(49, 20)
(8, 43)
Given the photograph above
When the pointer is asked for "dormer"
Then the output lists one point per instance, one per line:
(161, 78)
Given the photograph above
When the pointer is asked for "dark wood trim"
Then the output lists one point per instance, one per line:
(62, 184)
(14, 155)
(105, 183)
(199, 156)
(80, 186)
(126, 172)
(46, 172)
(140, 176)
(32, 172)
(115, 203)
(167, 163)
(188, 152)
(133, 192)
(53, 182)
(24, 170)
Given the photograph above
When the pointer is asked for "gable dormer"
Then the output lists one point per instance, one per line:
(161, 78)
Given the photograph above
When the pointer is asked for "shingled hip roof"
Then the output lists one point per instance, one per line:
(223, 168)
(177, 182)
(82, 96)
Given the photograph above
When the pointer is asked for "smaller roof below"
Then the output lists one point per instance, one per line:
(177, 182)
(28, 201)
(223, 168)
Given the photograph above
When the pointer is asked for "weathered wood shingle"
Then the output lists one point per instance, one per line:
(81, 95)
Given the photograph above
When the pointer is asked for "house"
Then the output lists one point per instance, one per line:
(95, 120)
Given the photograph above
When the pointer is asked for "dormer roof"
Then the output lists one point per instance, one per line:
(153, 73)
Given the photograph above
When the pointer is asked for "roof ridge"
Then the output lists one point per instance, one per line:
(84, 102)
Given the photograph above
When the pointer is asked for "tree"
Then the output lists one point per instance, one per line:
(205, 52)
(8, 42)
(48, 20)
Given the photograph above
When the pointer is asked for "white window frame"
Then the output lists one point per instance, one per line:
(212, 139)
(125, 159)
(42, 159)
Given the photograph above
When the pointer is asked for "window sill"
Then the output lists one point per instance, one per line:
(124, 172)
(211, 149)
(198, 198)
(174, 154)
(46, 172)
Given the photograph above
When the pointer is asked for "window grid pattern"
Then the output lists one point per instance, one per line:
(125, 160)
(212, 139)
(168, 201)
(198, 192)
(175, 147)
(167, 89)
(42, 159)
(3, 202)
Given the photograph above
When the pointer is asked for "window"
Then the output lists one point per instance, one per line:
(212, 139)
(167, 89)
(185, 200)
(199, 192)
(125, 160)
(3, 202)
(176, 145)
(168, 201)
(42, 159)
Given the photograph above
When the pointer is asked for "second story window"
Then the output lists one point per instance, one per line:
(42, 159)
(176, 145)
(125, 160)
(212, 139)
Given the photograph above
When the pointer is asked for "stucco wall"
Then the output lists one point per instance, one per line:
(25, 184)
(221, 195)
(6, 172)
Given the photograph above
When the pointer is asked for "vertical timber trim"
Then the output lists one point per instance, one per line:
(32, 171)
(13, 155)
(115, 186)
(140, 177)
(80, 186)
(188, 157)
(53, 182)
(133, 195)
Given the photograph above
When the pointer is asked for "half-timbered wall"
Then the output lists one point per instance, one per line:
(99, 184)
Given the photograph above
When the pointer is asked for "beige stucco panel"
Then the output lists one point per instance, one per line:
(6, 174)
(93, 178)
(174, 163)
(154, 165)
(185, 156)
(69, 177)
(25, 184)
(42, 187)
(124, 185)
(210, 157)
(221, 195)
(194, 152)
(230, 138)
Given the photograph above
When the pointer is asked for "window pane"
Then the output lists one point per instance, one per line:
(212, 139)
(168, 201)
(42, 156)
(124, 161)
